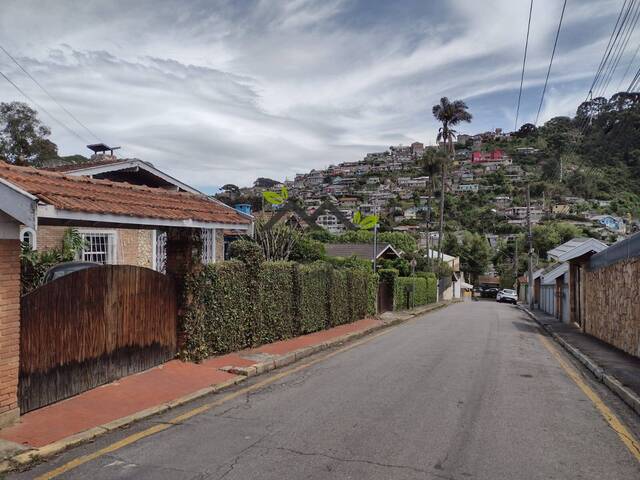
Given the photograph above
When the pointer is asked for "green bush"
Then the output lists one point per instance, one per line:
(276, 319)
(246, 251)
(233, 305)
(307, 250)
(313, 308)
(432, 285)
(338, 298)
(409, 292)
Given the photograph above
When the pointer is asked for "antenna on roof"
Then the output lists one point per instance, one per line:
(101, 148)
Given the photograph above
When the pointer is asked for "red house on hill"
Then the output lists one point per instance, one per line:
(496, 155)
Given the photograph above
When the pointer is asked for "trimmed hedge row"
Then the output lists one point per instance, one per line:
(233, 305)
(410, 292)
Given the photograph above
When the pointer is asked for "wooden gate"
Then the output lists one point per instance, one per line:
(385, 297)
(91, 327)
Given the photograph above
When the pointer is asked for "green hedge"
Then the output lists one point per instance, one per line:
(410, 292)
(313, 308)
(233, 305)
(432, 285)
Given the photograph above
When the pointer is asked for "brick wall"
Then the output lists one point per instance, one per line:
(9, 329)
(135, 247)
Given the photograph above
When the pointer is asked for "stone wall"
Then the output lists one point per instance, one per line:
(612, 305)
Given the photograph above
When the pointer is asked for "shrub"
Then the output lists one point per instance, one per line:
(409, 292)
(276, 319)
(233, 305)
(313, 308)
(388, 275)
(247, 251)
(307, 250)
(432, 285)
(220, 314)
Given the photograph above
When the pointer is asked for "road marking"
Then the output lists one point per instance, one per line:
(614, 422)
(76, 462)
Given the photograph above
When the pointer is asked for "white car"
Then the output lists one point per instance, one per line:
(507, 295)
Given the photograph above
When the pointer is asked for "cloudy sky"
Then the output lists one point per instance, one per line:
(224, 91)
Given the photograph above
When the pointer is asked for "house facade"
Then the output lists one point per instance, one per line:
(125, 246)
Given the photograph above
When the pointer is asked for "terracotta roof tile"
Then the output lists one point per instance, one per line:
(68, 167)
(84, 194)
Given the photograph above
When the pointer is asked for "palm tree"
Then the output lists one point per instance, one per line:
(449, 114)
(431, 161)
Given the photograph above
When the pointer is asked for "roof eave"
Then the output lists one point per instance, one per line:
(50, 214)
(18, 204)
(116, 166)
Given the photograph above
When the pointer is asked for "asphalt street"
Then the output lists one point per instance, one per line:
(466, 392)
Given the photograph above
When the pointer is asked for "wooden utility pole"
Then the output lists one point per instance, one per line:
(530, 288)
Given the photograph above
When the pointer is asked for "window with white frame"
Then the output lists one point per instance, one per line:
(28, 237)
(208, 237)
(99, 247)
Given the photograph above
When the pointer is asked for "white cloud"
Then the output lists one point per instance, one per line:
(228, 91)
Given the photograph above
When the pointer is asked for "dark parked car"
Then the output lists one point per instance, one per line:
(65, 268)
(488, 292)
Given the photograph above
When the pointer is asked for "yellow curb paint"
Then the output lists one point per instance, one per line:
(75, 463)
(614, 422)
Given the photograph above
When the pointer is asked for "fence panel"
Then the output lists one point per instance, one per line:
(91, 327)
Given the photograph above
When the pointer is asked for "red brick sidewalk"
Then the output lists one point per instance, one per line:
(170, 382)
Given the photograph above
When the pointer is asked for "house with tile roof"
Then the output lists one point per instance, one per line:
(100, 199)
(104, 210)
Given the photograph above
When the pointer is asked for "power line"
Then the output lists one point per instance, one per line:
(48, 93)
(606, 54)
(553, 52)
(609, 59)
(622, 46)
(524, 61)
(635, 54)
(40, 107)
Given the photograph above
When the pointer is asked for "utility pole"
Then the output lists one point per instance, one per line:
(530, 288)
(375, 241)
(515, 263)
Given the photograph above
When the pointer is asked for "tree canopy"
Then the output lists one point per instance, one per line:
(23, 137)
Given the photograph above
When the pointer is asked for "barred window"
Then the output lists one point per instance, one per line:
(99, 247)
(208, 237)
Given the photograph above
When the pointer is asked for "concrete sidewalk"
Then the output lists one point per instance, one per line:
(51, 429)
(619, 371)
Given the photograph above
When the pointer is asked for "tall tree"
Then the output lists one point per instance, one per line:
(449, 114)
(431, 161)
(23, 137)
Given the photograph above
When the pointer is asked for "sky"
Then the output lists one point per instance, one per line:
(217, 92)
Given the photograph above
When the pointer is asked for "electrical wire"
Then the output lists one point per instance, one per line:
(626, 31)
(48, 93)
(553, 53)
(524, 61)
(40, 107)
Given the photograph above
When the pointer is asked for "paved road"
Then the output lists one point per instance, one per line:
(468, 392)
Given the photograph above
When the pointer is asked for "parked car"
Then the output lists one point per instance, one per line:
(65, 268)
(488, 292)
(507, 295)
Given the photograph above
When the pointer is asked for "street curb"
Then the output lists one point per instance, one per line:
(51, 449)
(611, 382)
(242, 374)
(296, 355)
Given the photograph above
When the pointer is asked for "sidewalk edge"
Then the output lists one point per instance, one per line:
(242, 374)
(610, 381)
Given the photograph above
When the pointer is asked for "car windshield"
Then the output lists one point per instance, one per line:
(509, 292)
